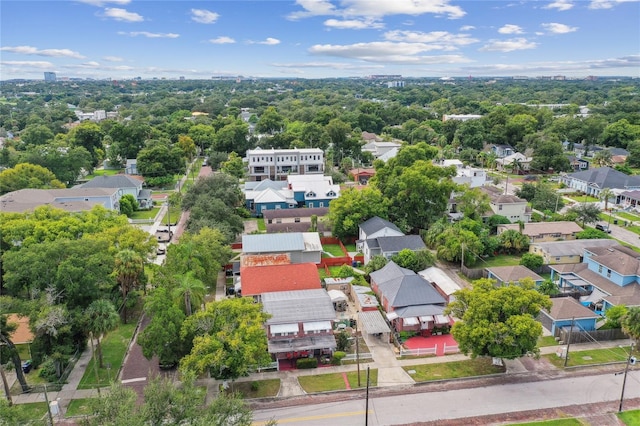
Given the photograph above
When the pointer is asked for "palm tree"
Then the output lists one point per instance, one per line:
(631, 323)
(605, 195)
(101, 318)
(191, 290)
(129, 267)
(603, 158)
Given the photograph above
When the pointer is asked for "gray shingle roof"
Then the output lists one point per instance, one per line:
(572, 247)
(389, 272)
(394, 244)
(606, 177)
(509, 274)
(565, 308)
(298, 305)
(410, 290)
(115, 181)
(419, 310)
(272, 243)
(301, 212)
(375, 224)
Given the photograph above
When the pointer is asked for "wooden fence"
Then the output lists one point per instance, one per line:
(580, 336)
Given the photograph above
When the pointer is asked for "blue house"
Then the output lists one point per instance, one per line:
(565, 312)
(607, 276)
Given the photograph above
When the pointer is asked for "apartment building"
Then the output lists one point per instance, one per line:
(277, 164)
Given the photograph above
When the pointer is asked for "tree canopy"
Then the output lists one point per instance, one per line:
(499, 322)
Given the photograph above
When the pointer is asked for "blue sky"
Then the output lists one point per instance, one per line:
(122, 39)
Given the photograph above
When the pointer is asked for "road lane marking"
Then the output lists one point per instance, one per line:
(318, 417)
(137, 379)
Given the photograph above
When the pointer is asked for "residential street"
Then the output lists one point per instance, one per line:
(463, 403)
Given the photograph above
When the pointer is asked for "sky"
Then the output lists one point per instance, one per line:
(122, 39)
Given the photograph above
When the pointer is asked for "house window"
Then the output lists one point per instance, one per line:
(296, 220)
(557, 259)
(321, 204)
(608, 273)
(277, 206)
(310, 205)
(270, 221)
(500, 207)
(599, 269)
(278, 220)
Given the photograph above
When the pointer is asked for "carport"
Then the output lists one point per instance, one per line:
(372, 322)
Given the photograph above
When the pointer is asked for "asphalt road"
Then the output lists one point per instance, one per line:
(461, 403)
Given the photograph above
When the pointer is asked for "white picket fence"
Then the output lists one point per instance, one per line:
(353, 357)
(451, 349)
(418, 351)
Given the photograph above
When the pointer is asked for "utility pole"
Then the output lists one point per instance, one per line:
(624, 379)
(46, 399)
(566, 355)
(366, 409)
(462, 256)
(358, 352)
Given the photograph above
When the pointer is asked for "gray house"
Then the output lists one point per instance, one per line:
(71, 199)
(390, 246)
(593, 181)
(301, 324)
(126, 185)
(302, 247)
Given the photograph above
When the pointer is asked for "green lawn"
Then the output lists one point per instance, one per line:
(581, 198)
(556, 422)
(335, 381)
(547, 341)
(103, 172)
(79, 407)
(114, 346)
(594, 356)
(453, 370)
(351, 248)
(630, 418)
(257, 388)
(174, 215)
(146, 214)
(261, 226)
(23, 413)
(333, 249)
(501, 260)
(627, 216)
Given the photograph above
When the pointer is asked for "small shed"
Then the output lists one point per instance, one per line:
(339, 300)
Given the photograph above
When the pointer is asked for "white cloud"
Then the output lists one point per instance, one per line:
(560, 5)
(103, 2)
(113, 59)
(30, 50)
(386, 52)
(222, 40)
(467, 28)
(438, 40)
(510, 29)
(148, 34)
(122, 15)
(34, 64)
(508, 45)
(203, 16)
(353, 24)
(584, 67)
(332, 65)
(607, 4)
(555, 28)
(377, 9)
(268, 41)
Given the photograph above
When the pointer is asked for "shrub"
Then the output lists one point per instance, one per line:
(48, 370)
(342, 342)
(255, 386)
(336, 359)
(305, 363)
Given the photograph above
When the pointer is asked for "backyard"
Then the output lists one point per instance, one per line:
(333, 249)
(501, 260)
(114, 347)
(145, 214)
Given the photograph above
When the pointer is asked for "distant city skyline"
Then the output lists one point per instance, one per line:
(124, 39)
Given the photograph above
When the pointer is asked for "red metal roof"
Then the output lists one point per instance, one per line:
(265, 279)
(248, 260)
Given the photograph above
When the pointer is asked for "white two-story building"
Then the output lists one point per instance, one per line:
(277, 164)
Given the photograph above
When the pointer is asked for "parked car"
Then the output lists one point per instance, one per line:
(27, 366)
(602, 228)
